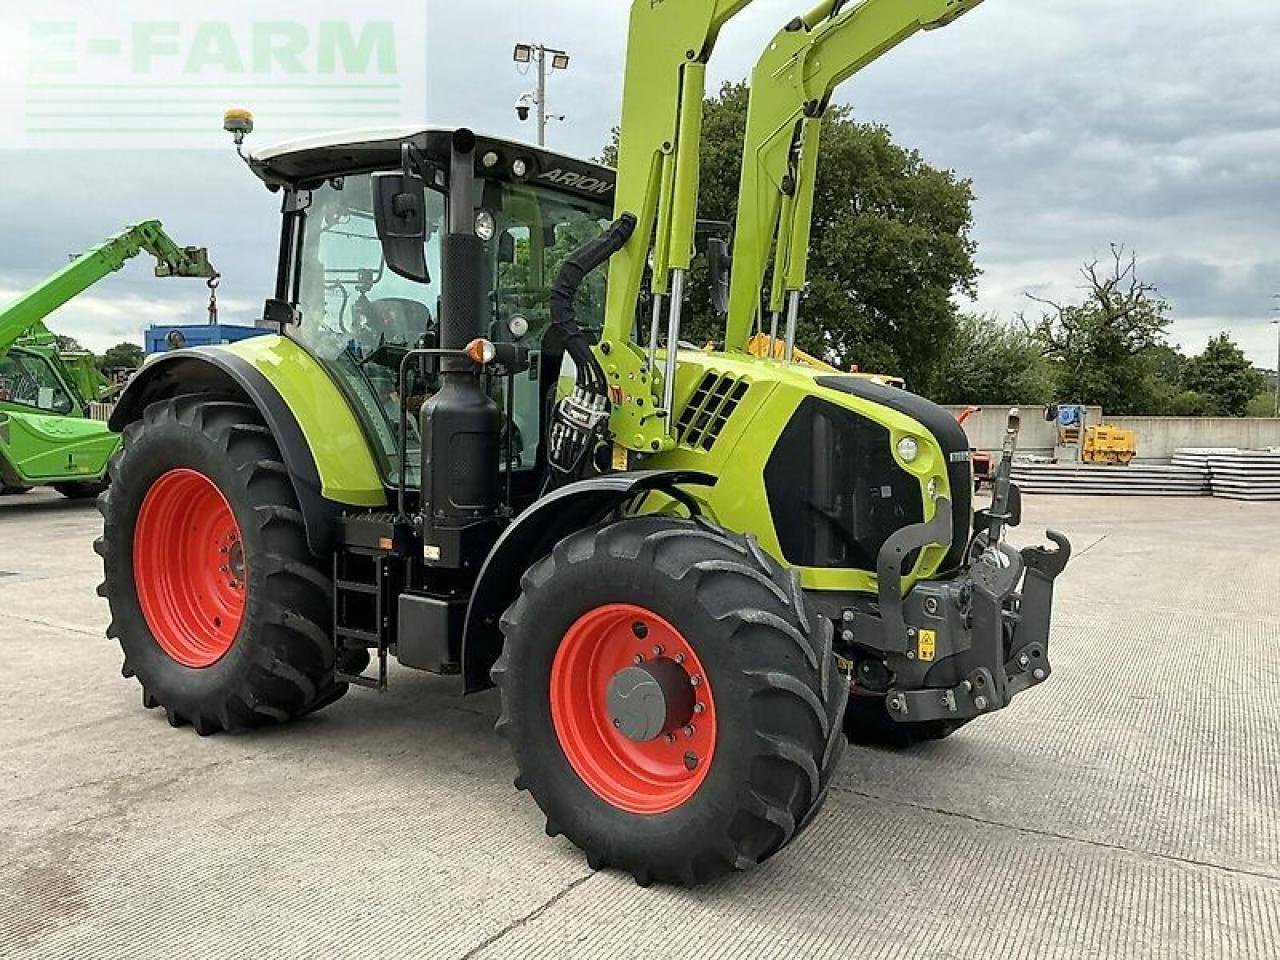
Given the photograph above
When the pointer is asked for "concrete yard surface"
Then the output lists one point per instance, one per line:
(1129, 808)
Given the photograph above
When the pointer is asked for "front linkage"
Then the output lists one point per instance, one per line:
(960, 647)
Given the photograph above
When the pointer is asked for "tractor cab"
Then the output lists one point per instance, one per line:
(353, 312)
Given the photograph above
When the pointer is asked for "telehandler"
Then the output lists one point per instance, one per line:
(48, 435)
(468, 452)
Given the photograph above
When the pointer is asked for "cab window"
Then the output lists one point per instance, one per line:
(32, 382)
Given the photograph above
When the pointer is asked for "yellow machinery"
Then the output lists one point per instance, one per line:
(1103, 444)
(758, 346)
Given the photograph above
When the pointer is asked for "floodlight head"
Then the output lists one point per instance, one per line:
(523, 53)
(560, 61)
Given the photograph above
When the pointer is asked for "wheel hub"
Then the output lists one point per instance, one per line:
(650, 699)
(189, 568)
(633, 709)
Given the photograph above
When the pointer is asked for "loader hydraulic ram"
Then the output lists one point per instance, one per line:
(468, 453)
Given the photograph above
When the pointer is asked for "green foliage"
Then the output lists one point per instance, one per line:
(1224, 377)
(1263, 405)
(1108, 349)
(890, 247)
(1111, 350)
(987, 362)
(68, 344)
(123, 356)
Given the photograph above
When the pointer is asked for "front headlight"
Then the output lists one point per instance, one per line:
(908, 449)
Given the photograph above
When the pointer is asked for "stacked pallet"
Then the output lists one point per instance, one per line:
(1245, 474)
(1198, 457)
(1135, 480)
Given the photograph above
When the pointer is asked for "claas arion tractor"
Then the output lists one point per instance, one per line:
(468, 451)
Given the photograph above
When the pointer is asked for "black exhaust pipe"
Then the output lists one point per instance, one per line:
(461, 424)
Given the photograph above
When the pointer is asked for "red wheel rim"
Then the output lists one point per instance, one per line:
(648, 777)
(189, 569)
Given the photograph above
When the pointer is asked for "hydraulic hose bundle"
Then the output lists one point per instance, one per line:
(580, 419)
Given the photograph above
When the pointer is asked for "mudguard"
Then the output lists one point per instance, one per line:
(532, 537)
(322, 443)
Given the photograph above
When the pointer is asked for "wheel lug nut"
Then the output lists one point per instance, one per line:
(695, 680)
(678, 658)
(688, 730)
(671, 738)
(699, 707)
(638, 658)
(657, 651)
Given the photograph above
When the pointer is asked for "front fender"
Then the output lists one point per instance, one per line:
(531, 537)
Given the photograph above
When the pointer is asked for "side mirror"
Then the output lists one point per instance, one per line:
(400, 212)
(719, 263)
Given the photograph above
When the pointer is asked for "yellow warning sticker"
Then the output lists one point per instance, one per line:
(621, 458)
(928, 645)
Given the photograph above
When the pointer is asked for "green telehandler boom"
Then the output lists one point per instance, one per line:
(470, 451)
(48, 436)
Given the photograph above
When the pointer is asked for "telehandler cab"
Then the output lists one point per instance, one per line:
(467, 451)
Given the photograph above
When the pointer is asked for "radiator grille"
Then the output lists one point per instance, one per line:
(709, 409)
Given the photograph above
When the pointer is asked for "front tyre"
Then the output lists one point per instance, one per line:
(217, 602)
(672, 702)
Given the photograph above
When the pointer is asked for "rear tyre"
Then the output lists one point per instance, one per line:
(80, 490)
(710, 752)
(216, 600)
(868, 723)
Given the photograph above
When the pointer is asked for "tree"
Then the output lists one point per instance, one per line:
(1109, 348)
(1263, 405)
(987, 362)
(123, 356)
(1224, 377)
(890, 246)
(67, 344)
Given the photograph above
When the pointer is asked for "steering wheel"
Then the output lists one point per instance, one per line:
(390, 320)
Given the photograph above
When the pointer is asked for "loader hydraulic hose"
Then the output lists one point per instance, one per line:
(573, 271)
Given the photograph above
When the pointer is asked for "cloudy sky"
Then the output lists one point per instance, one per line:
(1080, 122)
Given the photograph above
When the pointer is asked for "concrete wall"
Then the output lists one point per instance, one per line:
(1158, 437)
(986, 429)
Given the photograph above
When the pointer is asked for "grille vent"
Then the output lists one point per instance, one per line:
(709, 409)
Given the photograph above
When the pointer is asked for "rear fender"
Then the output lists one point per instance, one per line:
(220, 373)
(531, 537)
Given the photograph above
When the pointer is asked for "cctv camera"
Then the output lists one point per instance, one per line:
(523, 106)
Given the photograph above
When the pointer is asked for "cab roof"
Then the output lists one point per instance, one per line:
(313, 159)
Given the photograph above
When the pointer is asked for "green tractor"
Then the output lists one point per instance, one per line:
(469, 452)
(52, 401)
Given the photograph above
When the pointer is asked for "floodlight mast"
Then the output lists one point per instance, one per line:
(791, 88)
(539, 53)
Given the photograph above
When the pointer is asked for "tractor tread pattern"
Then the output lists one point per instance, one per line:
(772, 809)
(290, 670)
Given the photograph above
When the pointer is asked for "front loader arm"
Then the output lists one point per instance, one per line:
(791, 88)
(668, 47)
(28, 311)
